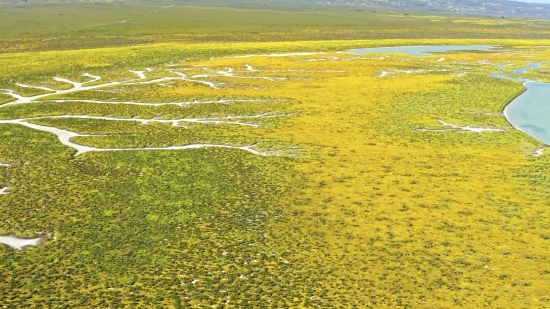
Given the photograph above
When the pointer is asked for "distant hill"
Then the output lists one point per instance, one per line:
(491, 7)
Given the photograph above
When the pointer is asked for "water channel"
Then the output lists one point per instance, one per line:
(529, 112)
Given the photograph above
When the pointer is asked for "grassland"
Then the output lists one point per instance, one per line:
(371, 212)
(69, 25)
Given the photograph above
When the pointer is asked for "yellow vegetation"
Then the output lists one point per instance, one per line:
(405, 219)
(379, 214)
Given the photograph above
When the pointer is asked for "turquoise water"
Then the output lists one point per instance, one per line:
(419, 50)
(530, 112)
(525, 69)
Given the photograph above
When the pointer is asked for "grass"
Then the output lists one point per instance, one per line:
(373, 214)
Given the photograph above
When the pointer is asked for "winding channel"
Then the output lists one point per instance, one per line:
(529, 112)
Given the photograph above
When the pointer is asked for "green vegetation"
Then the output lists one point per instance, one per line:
(49, 25)
(344, 201)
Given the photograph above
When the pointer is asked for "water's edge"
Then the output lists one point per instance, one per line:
(507, 104)
(514, 100)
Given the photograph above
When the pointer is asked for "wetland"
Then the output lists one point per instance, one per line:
(263, 166)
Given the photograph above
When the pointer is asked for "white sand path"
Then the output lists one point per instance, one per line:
(250, 68)
(198, 78)
(140, 74)
(65, 136)
(54, 38)
(470, 129)
(540, 151)
(34, 87)
(457, 128)
(483, 113)
(78, 86)
(174, 122)
(220, 101)
(272, 55)
(93, 77)
(408, 72)
(19, 243)
(231, 73)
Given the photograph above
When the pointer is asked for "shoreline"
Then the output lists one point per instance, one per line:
(509, 102)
